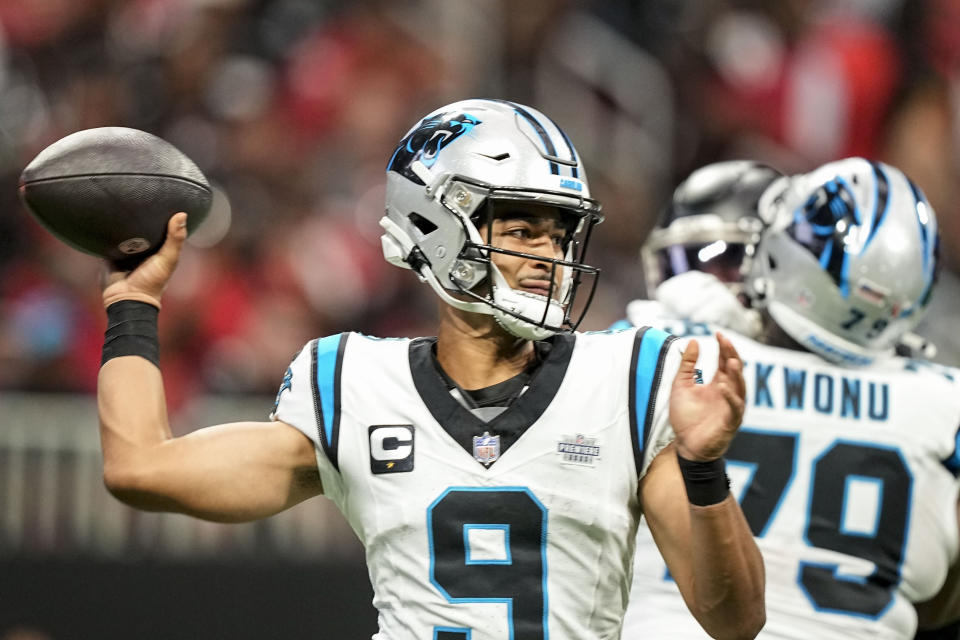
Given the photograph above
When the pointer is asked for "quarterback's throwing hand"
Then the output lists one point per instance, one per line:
(705, 417)
(147, 282)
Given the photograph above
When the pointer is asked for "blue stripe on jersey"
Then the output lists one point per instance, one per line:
(327, 361)
(646, 369)
(953, 462)
(620, 325)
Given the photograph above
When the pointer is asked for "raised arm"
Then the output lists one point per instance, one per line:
(228, 473)
(695, 521)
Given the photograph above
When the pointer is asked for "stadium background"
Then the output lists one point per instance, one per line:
(291, 108)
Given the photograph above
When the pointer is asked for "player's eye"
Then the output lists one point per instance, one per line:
(520, 232)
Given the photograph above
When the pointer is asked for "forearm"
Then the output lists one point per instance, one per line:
(709, 550)
(727, 571)
(133, 426)
(130, 396)
(132, 407)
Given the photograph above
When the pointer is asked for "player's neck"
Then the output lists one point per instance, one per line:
(775, 336)
(476, 352)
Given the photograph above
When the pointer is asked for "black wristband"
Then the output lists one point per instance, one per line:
(706, 482)
(131, 331)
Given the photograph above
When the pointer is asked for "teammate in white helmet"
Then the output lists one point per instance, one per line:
(496, 473)
(847, 462)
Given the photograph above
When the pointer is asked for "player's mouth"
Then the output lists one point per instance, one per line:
(536, 286)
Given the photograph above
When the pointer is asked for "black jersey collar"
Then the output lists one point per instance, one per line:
(460, 423)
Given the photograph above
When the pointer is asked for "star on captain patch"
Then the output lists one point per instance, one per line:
(578, 450)
(486, 448)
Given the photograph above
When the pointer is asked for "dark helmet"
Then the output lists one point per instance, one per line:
(711, 224)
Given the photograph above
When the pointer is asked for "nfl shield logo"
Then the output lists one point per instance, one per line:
(486, 448)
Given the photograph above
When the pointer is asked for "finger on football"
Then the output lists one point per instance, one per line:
(176, 234)
(160, 266)
(156, 270)
(147, 282)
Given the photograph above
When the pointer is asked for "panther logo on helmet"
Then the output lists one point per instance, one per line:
(826, 221)
(832, 226)
(425, 141)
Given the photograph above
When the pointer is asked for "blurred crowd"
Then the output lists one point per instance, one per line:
(292, 108)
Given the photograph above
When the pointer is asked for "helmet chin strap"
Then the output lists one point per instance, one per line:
(427, 275)
(519, 302)
(529, 305)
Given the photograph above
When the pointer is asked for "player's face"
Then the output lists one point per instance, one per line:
(534, 229)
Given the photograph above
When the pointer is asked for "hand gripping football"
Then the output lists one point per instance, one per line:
(110, 192)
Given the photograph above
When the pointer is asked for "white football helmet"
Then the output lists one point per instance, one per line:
(445, 180)
(848, 264)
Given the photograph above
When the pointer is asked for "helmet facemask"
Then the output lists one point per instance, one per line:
(524, 313)
(470, 279)
(702, 243)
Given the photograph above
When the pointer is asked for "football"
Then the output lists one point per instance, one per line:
(110, 191)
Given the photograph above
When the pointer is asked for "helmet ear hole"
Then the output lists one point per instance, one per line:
(423, 225)
(772, 262)
(474, 253)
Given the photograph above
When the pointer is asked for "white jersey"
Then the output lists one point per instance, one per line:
(518, 528)
(848, 479)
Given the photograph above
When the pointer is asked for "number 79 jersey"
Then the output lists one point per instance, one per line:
(848, 479)
(518, 528)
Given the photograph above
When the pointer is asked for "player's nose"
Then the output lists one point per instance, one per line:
(542, 245)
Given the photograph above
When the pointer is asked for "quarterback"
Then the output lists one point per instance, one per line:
(495, 473)
(847, 462)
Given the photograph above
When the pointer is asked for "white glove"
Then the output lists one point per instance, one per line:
(702, 297)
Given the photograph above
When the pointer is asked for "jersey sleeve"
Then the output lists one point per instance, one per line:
(309, 396)
(294, 402)
(653, 365)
